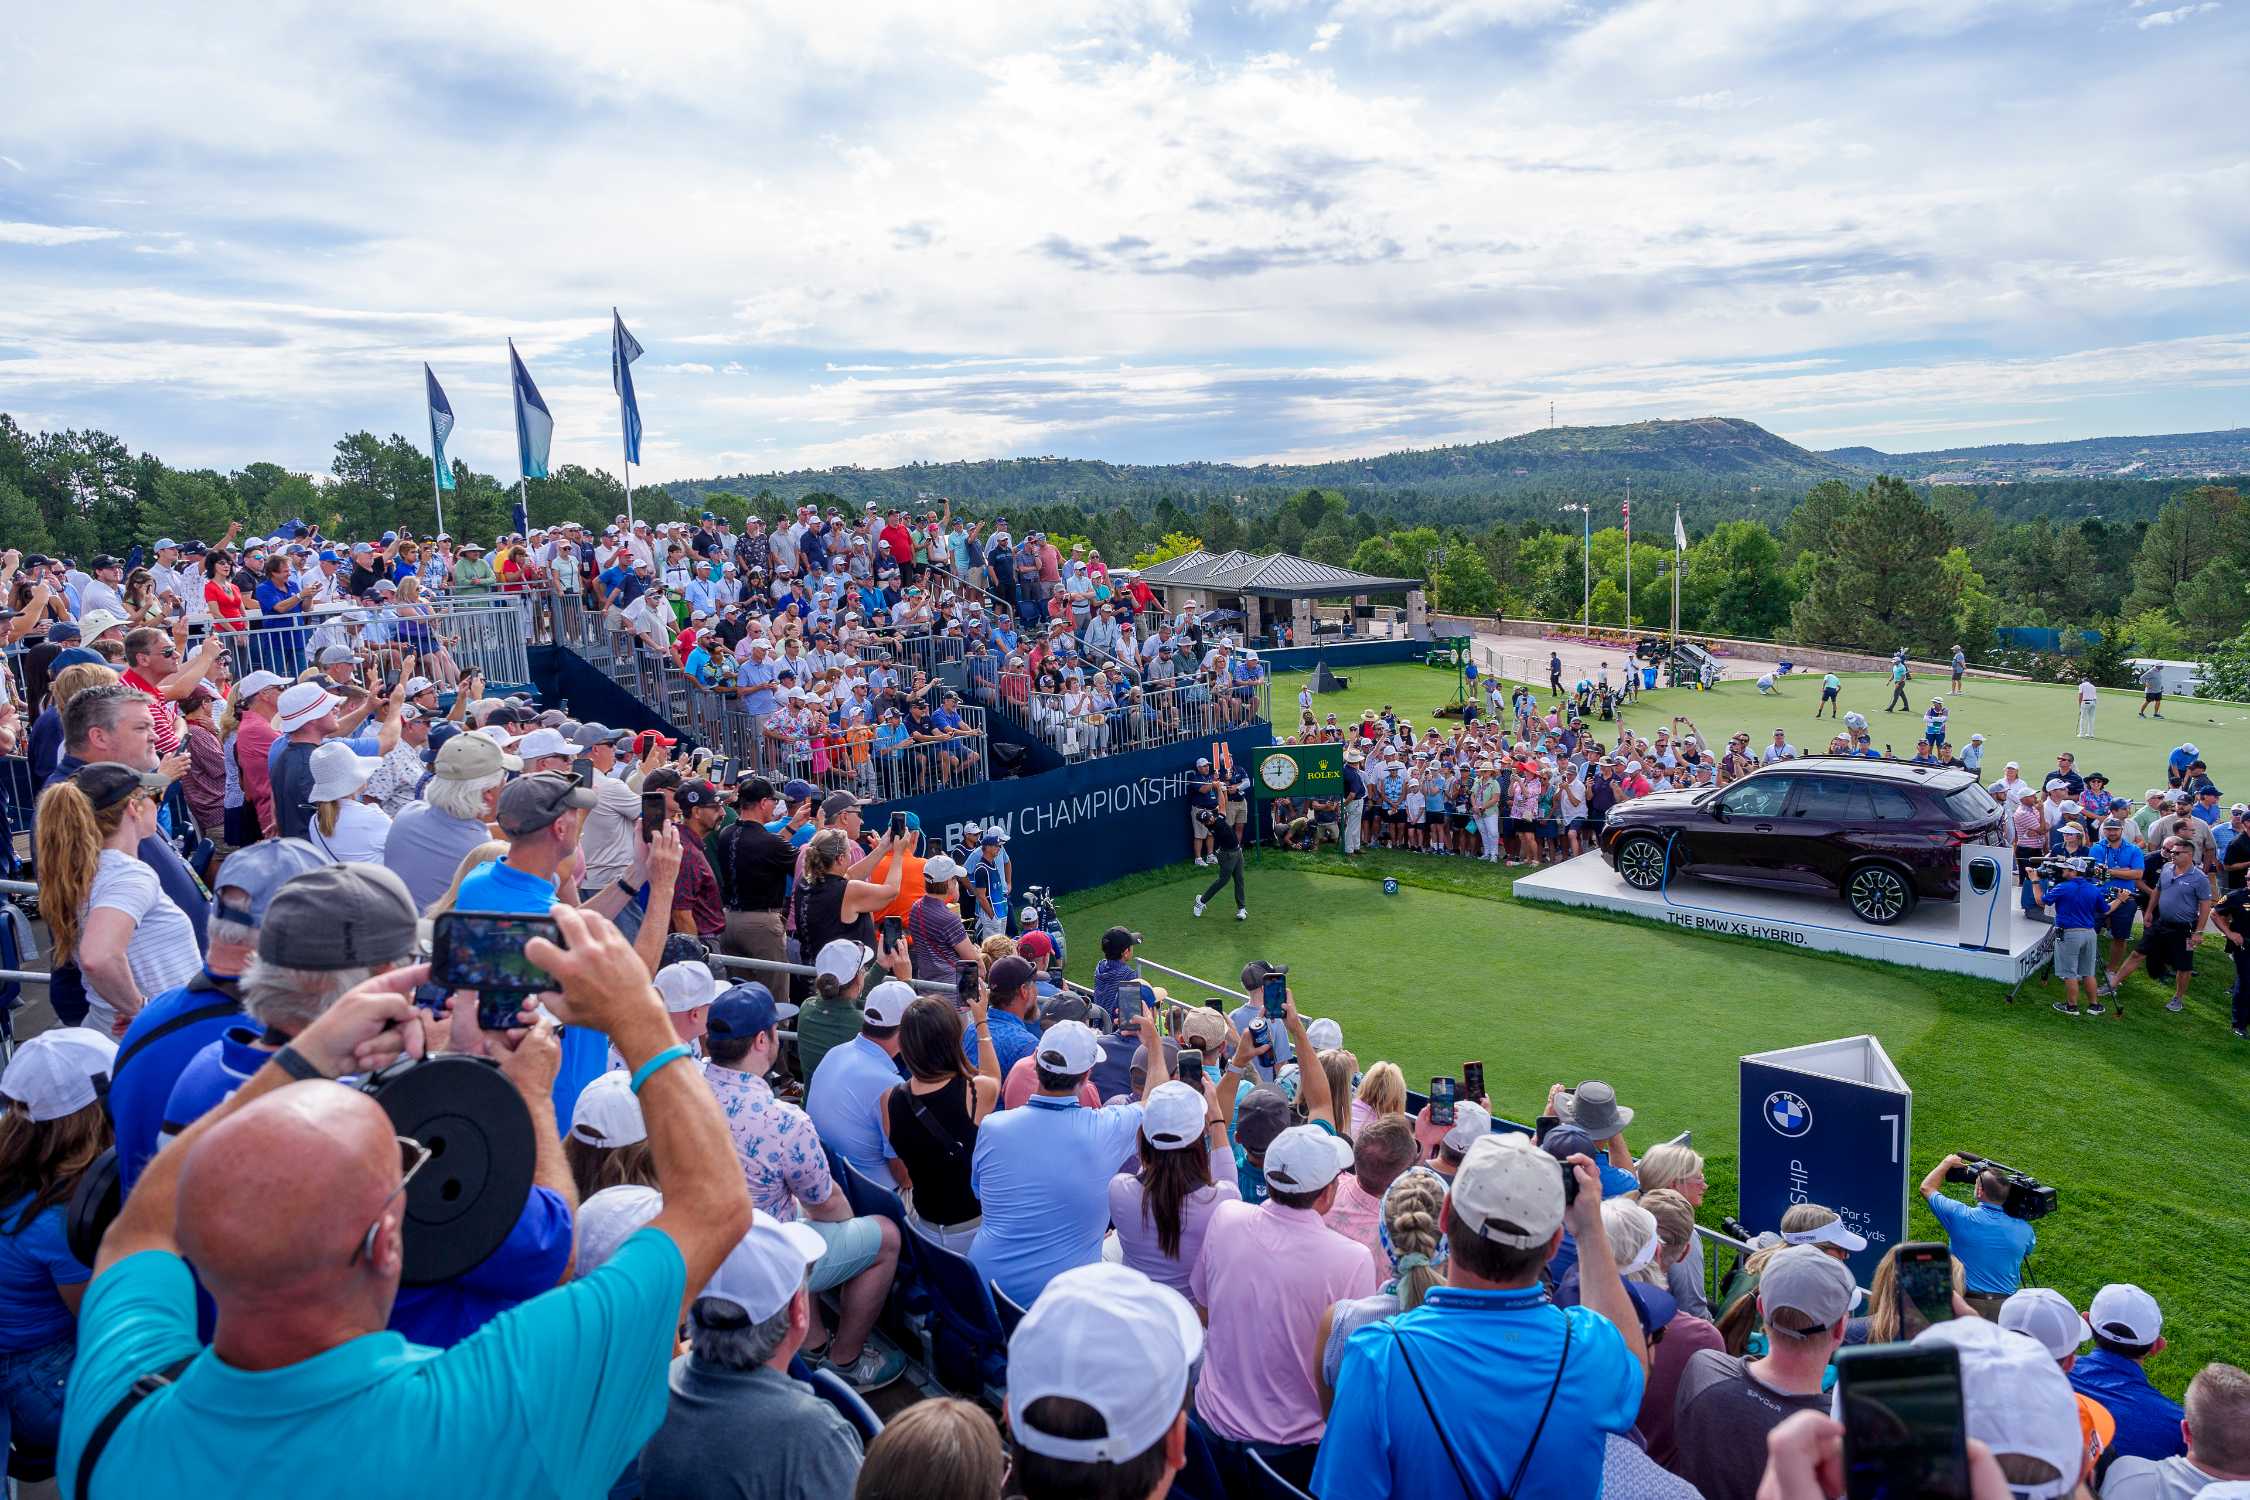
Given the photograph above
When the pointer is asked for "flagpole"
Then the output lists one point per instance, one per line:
(1628, 554)
(624, 443)
(437, 492)
(1679, 565)
(523, 490)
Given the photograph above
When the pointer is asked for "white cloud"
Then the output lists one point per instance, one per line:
(2173, 17)
(1101, 227)
(18, 233)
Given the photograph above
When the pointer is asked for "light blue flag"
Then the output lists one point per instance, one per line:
(623, 350)
(535, 425)
(441, 428)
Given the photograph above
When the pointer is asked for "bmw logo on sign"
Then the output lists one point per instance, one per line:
(1788, 1113)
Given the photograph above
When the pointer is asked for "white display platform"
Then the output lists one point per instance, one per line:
(1927, 939)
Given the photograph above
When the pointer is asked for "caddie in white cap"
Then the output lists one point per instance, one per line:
(1496, 1360)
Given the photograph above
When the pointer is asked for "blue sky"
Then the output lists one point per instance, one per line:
(1142, 230)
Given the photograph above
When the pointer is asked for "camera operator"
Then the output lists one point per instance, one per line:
(288, 1198)
(2081, 908)
(1989, 1242)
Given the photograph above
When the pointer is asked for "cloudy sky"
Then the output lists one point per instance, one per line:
(870, 231)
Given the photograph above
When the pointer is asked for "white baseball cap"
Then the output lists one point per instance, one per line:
(685, 985)
(302, 704)
(1175, 1116)
(610, 1217)
(1471, 1122)
(53, 1074)
(1508, 1191)
(1831, 1233)
(2017, 1400)
(942, 867)
(886, 1004)
(257, 682)
(608, 1113)
(765, 1270)
(1108, 1336)
(1069, 1047)
(1306, 1158)
(1324, 1034)
(417, 686)
(842, 959)
(2126, 1314)
(542, 742)
(2045, 1314)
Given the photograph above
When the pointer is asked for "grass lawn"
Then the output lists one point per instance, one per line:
(2114, 1114)
(2027, 722)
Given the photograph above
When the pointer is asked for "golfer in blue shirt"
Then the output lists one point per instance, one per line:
(2081, 908)
(1989, 1242)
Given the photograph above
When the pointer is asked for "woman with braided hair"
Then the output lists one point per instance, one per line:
(1416, 1247)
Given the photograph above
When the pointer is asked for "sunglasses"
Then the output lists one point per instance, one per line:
(413, 1157)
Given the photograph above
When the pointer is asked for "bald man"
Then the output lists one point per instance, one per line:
(289, 1198)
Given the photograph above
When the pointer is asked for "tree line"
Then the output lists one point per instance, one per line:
(1875, 567)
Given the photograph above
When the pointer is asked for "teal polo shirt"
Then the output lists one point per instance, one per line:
(552, 1397)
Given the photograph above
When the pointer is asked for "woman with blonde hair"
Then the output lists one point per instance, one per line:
(1680, 1169)
(344, 827)
(411, 618)
(608, 1141)
(1887, 1320)
(835, 899)
(105, 908)
(1340, 1066)
(1382, 1091)
(1803, 1224)
(1415, 1246)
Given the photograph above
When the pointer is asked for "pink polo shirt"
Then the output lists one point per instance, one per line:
(1265, 1275)
(1356, 1215)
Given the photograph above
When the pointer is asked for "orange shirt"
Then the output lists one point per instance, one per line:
(909, 884)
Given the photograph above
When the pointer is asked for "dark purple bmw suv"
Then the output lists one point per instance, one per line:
(1882, 834)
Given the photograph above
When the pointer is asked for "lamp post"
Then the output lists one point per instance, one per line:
(1586, 556)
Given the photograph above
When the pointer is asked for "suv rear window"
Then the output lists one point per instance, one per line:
(1972, 804)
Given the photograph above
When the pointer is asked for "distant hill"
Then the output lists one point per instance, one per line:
(2177, 455)
(1702, 458)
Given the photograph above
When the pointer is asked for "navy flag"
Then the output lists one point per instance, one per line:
(441, 428)
(623, 350)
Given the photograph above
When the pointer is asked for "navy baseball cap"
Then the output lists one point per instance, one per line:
(440, 732)
(796, 790)
(64, 630)
(745, 1011)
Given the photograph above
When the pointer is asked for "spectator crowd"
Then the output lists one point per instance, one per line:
(806, 1109)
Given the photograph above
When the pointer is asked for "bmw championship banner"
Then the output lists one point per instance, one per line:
(1297, 771)
(1828, 1123)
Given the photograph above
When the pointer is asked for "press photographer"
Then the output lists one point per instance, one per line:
(1992, 1235)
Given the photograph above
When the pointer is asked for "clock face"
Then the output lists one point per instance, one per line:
(1278, 772)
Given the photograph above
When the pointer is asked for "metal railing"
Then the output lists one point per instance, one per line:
(845, 760)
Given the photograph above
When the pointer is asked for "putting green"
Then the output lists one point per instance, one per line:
(2136, 1121)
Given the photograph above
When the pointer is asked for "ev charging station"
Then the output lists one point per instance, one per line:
(1988, 897)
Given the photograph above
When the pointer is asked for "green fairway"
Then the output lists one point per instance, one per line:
(2021, 721)
(2114, 1114)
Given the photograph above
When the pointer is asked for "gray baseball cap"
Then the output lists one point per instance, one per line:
(338, 917)
(530, 803)
(259, 870)
(587, 736)
(1810, 1282)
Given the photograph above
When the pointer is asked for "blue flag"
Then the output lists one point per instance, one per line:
(535, 425)
(623, 350)
(441, 428)
(523, 517)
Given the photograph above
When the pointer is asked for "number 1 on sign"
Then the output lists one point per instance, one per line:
(1893, 1119)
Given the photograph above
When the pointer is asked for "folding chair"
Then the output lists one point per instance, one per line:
(968, 1345)
(833, 1389)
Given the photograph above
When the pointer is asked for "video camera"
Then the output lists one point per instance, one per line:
(2026, 1197)
(2057, 867)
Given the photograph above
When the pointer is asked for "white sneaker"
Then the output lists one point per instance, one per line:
(1242, 914)
(1199, 906)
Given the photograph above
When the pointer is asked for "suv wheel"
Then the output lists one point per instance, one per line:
(1640, 862)
(1878, 894)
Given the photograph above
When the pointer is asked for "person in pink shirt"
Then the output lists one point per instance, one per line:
(1023, 1081)
(1265, 1276)
(1384, 1148)
(1187, 1172)
(255, 698)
